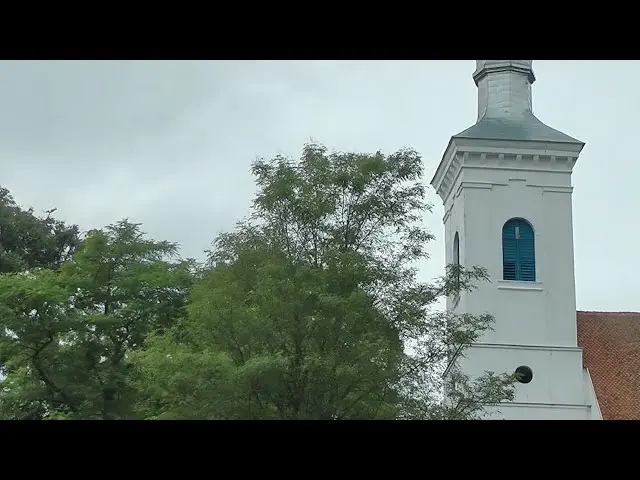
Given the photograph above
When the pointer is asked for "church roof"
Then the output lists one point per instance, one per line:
(611, 349)
(527, 128)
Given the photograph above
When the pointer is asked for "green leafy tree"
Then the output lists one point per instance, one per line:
(28, 241)
(66, 335)
(311, 308)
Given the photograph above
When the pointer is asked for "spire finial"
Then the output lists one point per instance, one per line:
(504, 88)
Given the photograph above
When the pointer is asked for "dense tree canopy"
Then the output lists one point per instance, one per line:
(309, 309)
(66, 335)
(28, 241)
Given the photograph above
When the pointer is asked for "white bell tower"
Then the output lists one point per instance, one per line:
(506, 187)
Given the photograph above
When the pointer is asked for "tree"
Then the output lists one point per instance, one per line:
(66, 335)
(28, 241)
(311, 309)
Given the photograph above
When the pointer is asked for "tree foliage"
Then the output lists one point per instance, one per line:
(28, 241)
(66, 335)
(310, 308)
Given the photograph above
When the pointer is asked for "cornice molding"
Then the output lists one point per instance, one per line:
(520, 156)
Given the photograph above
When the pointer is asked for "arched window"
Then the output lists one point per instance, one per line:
(518, 251)
(456, 249)
(456, 261)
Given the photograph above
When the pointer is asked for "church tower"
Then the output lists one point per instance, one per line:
(506, 187)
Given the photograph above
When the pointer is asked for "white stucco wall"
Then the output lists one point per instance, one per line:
(535, 322)
(540, 313)
(557, 372)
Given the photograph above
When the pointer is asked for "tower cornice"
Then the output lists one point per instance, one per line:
(504, 154)
(485, 67)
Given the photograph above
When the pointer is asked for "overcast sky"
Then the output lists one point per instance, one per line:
(169, 143)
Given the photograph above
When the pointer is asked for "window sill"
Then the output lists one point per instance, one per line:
(518, 285)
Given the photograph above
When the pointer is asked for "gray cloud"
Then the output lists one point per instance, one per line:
(169, 143)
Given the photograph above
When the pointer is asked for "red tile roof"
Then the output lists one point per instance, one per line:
(611, 345)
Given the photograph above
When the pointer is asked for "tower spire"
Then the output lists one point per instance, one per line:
(504, 88)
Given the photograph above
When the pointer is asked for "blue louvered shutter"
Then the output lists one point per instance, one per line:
(526, 253)
(509, 251)
(518, 251)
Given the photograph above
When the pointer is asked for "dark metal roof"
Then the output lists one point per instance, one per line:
(527, 128)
